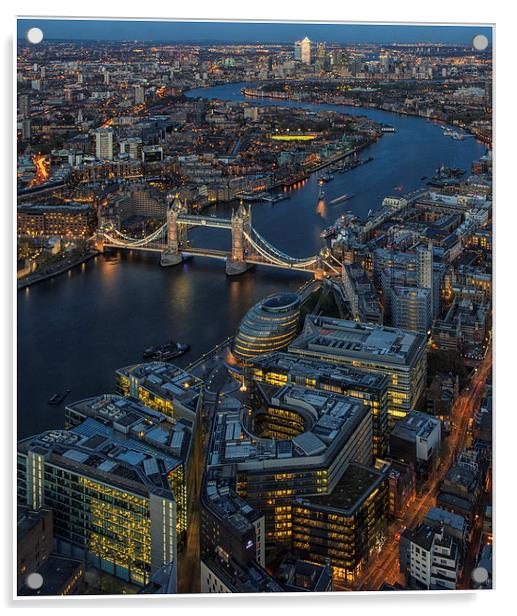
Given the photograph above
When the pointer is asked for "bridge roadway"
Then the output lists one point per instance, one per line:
(212, 254)
(204, 221)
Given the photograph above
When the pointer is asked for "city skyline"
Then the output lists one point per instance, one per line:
(250, 32)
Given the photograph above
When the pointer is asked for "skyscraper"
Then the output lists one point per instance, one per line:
(302, 50)
(306, 50)
(139, 95)
(298, 50)
(24, 107)
(425, 266)
(104, 143)
(384, 62)
(321, 53)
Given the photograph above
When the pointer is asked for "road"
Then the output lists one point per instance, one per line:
(217, 383)
(385, 567)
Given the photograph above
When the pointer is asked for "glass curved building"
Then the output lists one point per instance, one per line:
(271, 325)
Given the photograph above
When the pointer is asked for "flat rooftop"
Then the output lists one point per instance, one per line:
(436, 514)
(120, 438)
(415, 424)
(27, 518)
(166, 380)
(247, 578)
(351, 339)
(220, 496)
(71, 208)
(56, 571)
(333, 417)
(354, 487)
(297, 365)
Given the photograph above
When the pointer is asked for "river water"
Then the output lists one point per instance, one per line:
(76, 329)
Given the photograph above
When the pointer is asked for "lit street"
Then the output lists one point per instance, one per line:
(385, 567)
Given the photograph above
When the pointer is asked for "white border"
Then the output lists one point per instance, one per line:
(395, 11)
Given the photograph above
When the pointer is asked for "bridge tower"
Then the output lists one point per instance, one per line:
(241, 225)
(172, 255)
(98, 239)
(321, 270)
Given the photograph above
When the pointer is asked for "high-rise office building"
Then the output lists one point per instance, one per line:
(133, 147)
(306, 51)
(411, 308)
(397, 353)
(303, 50)
(139, 95)
(163, 387)
(26, 130)
(104, 143)
(321, 53)
(424, 266)
(384, 62)
(114, 481)
(298, 50)
(278, 369)
(321, 433)
(345, 526)
(24, 106)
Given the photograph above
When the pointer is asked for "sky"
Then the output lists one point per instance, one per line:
(167, 31)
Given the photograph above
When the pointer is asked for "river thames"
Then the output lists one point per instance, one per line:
(76, 329)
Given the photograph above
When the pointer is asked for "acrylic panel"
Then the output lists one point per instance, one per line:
(254, 272)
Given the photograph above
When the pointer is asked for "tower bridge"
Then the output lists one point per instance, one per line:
(248, 246)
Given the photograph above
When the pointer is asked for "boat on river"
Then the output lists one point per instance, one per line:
(340, 199)
(166, 352)
(56, 399)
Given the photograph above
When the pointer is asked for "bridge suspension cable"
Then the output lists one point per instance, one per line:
(274, 253)
(125, 240)
(276, 256)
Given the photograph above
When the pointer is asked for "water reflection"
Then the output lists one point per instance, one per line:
(78, 329)
(321, 208)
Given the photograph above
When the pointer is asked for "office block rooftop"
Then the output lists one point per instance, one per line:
(242, 577)
(415, 424)
(164, 380)
(351, 339)
(330, 420)
(111, 435)
(218, 494)
(296, 365)
(355, 486)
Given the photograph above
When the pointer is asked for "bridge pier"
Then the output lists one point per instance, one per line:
(234, 268)
(170, 257)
